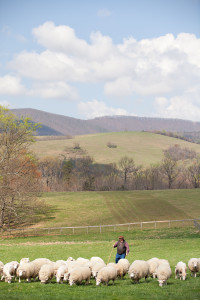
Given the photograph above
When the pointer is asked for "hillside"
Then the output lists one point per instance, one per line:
(98, 208)
(144, 147)
(62, 125)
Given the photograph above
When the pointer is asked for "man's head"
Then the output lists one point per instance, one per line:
(121, 238)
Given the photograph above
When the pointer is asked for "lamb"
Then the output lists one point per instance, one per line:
(96, 268)
(46, 272)
(9, 271)
(138, 269)
(194, 266)
(153, 264)
(180, 270)
(163, 273)
(122, 267)
(27, 271)
(1, 268)
(78, 274)
(106, 274)
(62, 270)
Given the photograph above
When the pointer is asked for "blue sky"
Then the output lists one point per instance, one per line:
(86, 58)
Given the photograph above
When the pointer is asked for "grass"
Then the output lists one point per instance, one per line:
(171, 246)
(145, 148)
(98, 208)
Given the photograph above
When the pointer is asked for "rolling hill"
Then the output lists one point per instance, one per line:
(144, 147)
(98, 208)
(54, 124)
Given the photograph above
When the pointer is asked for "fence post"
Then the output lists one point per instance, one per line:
(100, 228)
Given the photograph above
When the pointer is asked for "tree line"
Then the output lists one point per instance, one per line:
(179, 168)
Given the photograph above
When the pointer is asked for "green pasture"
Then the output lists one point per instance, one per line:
(143, 245)
(118, 207)
(144, 147)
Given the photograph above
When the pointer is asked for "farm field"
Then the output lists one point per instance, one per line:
(98, 208)
(144, 147)
(173, 246)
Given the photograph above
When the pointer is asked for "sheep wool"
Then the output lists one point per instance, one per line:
(106, 274)
(79, 274)
(180, 270)
(96, 268)
(153, 264)
(138, 269)
(46, 272)
(26, 271)
(194, 266)
(163, 273)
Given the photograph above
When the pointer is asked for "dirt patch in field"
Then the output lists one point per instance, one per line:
(51, 243)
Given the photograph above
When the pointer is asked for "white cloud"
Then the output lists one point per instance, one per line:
(181, 107)
(166, 66)
(54, 90)
(10, 85)
(104, 12)
(95, 108)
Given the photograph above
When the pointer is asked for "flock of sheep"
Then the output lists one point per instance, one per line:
(82, 269)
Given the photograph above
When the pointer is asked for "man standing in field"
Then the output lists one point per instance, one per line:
(122, 248)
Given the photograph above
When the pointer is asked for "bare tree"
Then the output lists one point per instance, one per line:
(127, 167)
(194, 173)
(169, 168)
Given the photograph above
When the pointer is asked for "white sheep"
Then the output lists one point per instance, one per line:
(27, 271)
(180, 270)
(138, 269)
(78, 274)
(96, 259)
(194, 266)
(58, 264)
(153, 264)
(163, 273)
(62, 270)
(9, 271)
(24, 260)
(46, 272)
(71, 265)
(163, 261)
(122, 267)
(96, 268)
(39, 262)
(106, 274)
(70, 259)
(1, 268)
(82, 261)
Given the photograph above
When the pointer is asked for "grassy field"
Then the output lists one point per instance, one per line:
(98, 208)
(176, 245)
(145, 148)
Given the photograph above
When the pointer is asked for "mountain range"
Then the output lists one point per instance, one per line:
(54, 124)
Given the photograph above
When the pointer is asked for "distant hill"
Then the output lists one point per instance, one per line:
(54, 124)
(145, 148)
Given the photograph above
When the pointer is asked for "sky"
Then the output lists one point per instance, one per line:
(87, 59)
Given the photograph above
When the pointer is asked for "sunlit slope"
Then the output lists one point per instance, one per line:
(145, 148)
(96, 208)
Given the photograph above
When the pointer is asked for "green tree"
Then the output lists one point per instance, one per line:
(19, 177)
